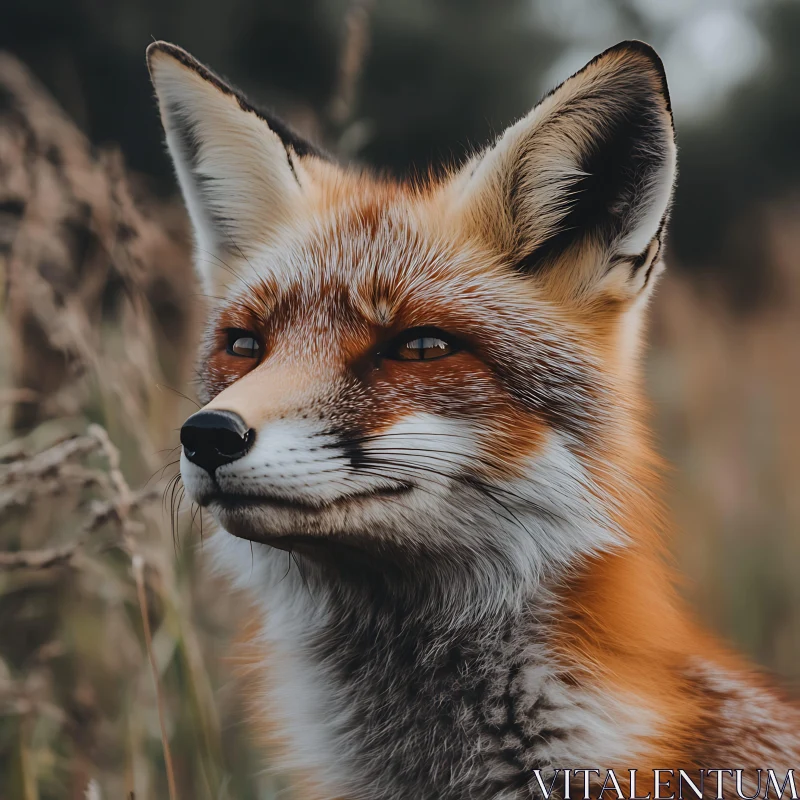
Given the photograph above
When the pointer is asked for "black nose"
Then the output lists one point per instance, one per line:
(213, 438)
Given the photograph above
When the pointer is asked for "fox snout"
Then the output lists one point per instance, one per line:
(212, 438)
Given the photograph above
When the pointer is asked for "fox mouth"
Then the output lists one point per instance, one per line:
(234, 501)
(323, 546)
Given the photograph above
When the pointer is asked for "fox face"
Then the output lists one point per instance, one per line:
(437, 377)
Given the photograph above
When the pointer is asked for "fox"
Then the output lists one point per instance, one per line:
(423, 438)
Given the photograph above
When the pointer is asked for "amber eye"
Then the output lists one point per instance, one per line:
(243, 344)
(421, 344)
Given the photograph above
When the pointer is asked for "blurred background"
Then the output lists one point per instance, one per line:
(102, 585)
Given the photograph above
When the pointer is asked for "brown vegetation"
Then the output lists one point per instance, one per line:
(726, 391)
(113, 633)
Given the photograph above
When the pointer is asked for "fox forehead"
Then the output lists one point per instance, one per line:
(383, 257)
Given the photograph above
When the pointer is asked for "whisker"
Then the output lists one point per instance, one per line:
(241, 253)
(475, 483)
(401, 435)
(513, 519)
(303, 577)
(174, 479)
(180, 394)
(288, 566)
(194, 510)
(433, 453)
(221, 263)
(209, 296)
(162, 470)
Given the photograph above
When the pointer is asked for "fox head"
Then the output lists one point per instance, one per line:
(425, 377)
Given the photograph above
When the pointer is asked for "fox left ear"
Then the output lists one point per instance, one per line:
(240, 170)
(578, 192)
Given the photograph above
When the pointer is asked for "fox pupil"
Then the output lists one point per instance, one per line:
(425, 348)
(245, 346)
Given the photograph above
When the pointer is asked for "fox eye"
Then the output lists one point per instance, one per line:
(421, 344)
(243, 344)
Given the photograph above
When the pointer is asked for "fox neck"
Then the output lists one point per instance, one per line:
(410, 687)
(387, 698)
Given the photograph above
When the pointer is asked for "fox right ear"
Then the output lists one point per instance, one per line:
(240, 171)
(577, 193)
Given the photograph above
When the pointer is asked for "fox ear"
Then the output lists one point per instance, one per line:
(578, 191)
(239, 170)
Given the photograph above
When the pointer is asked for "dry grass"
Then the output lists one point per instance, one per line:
(727, 392)
(113, 634)
(112, 666)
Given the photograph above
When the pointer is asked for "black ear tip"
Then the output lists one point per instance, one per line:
(160, 49)
(154, 48)
(152, 51)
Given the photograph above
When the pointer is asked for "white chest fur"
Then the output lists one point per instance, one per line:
(373, 707)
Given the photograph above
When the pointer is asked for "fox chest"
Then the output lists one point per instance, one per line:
(394, 718)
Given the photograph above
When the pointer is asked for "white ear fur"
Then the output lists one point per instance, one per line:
(585, 179)
(237, 171)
